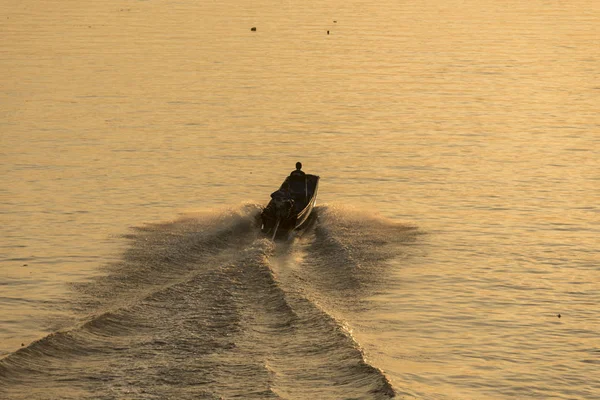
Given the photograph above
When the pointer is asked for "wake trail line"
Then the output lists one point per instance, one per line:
(205, 307)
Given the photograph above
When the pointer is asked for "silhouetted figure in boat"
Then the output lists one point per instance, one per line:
(298, 186)
(298, 171)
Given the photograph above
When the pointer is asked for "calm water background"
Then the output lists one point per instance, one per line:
(475, 121)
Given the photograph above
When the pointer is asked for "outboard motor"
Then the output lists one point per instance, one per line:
(279, 208)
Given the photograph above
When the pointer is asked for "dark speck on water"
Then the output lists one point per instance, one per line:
(253, 29)
(558, 315)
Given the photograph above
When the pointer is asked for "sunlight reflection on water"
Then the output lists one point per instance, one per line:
(477, 122)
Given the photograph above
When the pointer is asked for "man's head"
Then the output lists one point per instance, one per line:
(298, 165)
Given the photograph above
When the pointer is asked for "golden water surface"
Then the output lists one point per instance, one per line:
(476, 121)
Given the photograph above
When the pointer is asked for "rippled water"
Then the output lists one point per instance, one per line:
(458, 147)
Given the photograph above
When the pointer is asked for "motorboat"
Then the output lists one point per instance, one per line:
(290, 206)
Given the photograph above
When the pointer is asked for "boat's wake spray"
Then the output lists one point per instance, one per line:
(275, 230)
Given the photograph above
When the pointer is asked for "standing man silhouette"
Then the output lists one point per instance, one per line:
(298, 171)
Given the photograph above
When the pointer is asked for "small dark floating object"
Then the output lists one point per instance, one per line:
(22, 344)
(328, 32)
(253, 29)
(24, 265)
(335, 22)
(558, 315)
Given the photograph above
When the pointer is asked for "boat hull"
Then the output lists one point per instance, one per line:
(278, 222)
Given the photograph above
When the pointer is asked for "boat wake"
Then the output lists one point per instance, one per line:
(205, 307)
